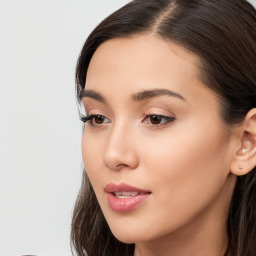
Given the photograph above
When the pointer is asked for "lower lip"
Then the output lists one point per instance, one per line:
(125, 204)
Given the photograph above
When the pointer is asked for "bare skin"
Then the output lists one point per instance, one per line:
(173, 144)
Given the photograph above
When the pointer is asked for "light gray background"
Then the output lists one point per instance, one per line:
(40, 133)
(40, 159)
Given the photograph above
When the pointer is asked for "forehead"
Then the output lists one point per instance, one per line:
(141, 57)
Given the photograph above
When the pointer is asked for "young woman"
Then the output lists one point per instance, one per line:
(169, 141)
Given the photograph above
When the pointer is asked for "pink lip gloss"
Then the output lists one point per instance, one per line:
(123, 197)
(125, 204)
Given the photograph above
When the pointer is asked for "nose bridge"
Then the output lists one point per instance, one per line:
(120, 149)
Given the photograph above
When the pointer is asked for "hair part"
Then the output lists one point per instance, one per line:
(222, 34)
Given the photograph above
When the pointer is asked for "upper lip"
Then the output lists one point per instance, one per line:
(123, 187)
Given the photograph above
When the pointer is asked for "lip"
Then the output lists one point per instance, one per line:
(125, 204)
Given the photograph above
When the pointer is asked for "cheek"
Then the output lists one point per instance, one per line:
(188, 169)
(186, 148)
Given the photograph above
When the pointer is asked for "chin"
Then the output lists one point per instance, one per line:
(124, 235)
(129, 238)
(132, 235)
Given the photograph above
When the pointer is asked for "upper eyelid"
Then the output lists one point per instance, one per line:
(144, 114)
(159, 113)
(89, 104)
(163, 116)
(91, 109)
(145, 117)
(94, 111)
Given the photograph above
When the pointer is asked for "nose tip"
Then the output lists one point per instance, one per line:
(118, 159)
(120, 153)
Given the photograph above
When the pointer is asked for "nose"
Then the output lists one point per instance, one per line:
(120, 151)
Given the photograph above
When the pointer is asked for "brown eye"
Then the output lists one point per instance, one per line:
(95, 120)
(158, 120)
(99, 119)
(155, 119)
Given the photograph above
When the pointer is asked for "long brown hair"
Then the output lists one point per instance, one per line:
(222, 33)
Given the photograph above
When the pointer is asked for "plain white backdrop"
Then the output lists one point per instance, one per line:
(40, 133)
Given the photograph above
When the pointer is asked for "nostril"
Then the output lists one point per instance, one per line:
(116, 167)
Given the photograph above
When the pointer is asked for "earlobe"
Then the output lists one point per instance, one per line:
(245, 157)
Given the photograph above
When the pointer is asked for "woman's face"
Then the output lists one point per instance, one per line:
(155, 149)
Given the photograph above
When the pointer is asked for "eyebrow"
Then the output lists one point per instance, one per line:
(94, 95)
(140, 96)
(155, 93)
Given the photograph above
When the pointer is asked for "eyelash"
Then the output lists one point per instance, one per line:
(167, 119)
(91, 119)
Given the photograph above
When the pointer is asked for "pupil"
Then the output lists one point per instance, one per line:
(155, 119)
(99, 119)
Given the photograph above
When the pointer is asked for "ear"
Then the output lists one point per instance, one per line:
(245, 156)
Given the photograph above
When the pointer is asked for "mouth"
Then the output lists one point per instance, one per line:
(124, 197)
(128, 194)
